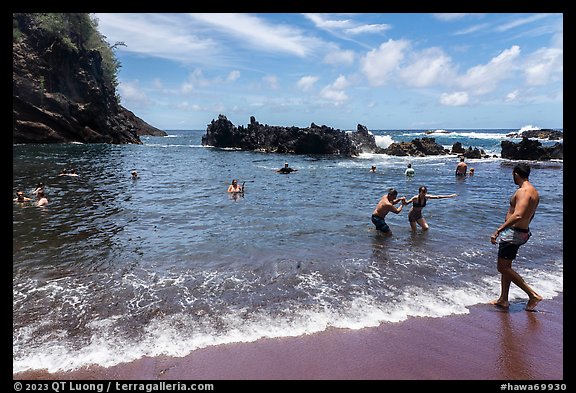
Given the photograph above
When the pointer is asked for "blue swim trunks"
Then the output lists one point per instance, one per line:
(510, 241)
(380, 223)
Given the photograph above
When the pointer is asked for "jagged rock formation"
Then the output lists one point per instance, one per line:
(544, 133)
(529, 149)
(365, 141)
(470, 152)
(311, 140)
(326, 140)
(419, 147)
(60, 92)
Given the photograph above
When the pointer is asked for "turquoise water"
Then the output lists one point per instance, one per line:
(114, 269)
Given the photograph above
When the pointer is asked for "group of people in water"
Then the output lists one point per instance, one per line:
(513, 233)
(40, 192)
(461, 169)
(235, 189)
(387, 204)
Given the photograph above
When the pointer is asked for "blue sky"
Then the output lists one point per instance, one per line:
(382, 70)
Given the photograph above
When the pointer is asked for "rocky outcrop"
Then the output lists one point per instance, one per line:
(365, 140)
(60, 92)
(544, 133)
(529, 149)
(419, 147)
(470, 152)
(311, 140)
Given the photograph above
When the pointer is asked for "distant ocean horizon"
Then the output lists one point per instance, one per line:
(114, 269)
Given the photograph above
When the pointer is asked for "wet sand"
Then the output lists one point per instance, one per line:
(486, 344)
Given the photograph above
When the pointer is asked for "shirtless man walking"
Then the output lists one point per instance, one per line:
(513, 233)
(385, 206)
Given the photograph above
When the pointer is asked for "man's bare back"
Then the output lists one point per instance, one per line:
(523, 204)
(383, 207)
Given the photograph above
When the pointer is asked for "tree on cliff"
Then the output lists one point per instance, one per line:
(64, 83)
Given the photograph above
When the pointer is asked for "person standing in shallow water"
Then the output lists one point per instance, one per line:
(461, 168)
(386, 205)
(409, 170)
(286, 169)
(234, 187)
(513, 233)
(418, 202)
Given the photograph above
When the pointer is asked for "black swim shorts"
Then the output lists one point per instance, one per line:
(380, 223)
(510, 241)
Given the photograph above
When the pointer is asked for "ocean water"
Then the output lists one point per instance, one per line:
(114, 269)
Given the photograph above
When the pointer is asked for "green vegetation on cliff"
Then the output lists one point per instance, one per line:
(64, 83)
(75, 31)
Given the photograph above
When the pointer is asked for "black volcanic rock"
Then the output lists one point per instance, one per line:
(60, 92)
(470, 152)
(529, 149)
(365, 141)
(419, 147)
(255, 136)
(544, 133)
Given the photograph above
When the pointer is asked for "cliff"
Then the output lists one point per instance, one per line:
(64, 84)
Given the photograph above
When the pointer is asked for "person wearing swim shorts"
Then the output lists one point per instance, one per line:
(515, 232)
(386, 205)
(418, 202)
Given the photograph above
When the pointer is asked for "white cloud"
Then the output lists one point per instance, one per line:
(258, 33)
(454, 99)
(156, 35)
(472, 29)
(521, 21)
(132, 95)
(512, 96)
(329, 24)
(364, 29)
(335, 91)
(186, 106)
(484, 78)
(448, 17)
(543, 66)
(271, 81)
(343, 57)
(233, 75)
(336, 96)
(197, 79)
(430, 67)
(157, 83)
(340, 83)
(346, 26)
(186, 88)
(306, 82)
(380, 63)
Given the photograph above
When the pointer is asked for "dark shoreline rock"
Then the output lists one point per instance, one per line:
(326, 140)
(544, 133)
(310, 140)
(529, 149)
(419, 147)
(60, 94)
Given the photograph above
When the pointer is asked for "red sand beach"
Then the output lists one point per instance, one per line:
(486, 344)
